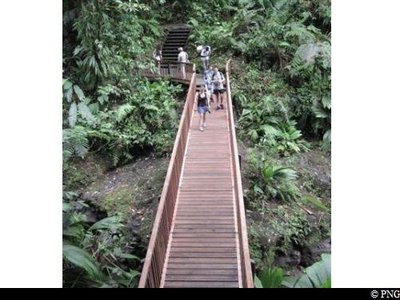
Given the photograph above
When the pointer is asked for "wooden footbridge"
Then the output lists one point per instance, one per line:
(199, 236)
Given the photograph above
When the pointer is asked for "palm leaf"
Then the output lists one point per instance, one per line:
(285, 173)
(82, 259)
(108, 223)
(269, 130)
(81, 150)
(326, 140)
(72, 115)
(257, 282)
(268, 173)
(272, 277)
(85, 112)
(67, 87)
(79, 92)
(316, 276)
(326, 102)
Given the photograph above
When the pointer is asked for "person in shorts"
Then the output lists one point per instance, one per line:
(208, 82)
(202, 107)
(218, 80)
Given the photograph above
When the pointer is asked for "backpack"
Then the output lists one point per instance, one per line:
(204, 52)
(209, 50)
(220, 75)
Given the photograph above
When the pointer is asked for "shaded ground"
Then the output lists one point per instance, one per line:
(133, 191)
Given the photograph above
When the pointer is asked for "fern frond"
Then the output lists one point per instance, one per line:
(124, 111)
(75, 142)
(269, 130)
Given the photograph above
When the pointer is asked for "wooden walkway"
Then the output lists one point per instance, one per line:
(204, 247)
(199, 237)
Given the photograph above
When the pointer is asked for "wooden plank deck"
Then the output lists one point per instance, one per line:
(203, 248)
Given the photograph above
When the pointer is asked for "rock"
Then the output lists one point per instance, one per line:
(310, 255)
(293, 258)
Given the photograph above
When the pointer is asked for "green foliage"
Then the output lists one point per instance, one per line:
(106, 108)
(294, 230)
(276, 230)
(289, 38)
(266, 123)
(269, 278)
(82, 259)
(112, 223)
(316, 276)
(281, 89)
(98, 250)
(148, 120)
(75, 142)
(315, 203)
(288, 139)
(271, 181)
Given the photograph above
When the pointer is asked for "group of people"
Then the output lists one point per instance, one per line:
(183, 59)
(213, 89)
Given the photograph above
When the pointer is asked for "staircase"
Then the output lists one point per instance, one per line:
(177, 37)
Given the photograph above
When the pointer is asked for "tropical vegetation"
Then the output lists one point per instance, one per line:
(280, 52)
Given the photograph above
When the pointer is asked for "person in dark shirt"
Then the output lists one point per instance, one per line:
(202, 107)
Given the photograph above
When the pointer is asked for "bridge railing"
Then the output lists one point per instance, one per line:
(245, 265)
(156, 252)
(173, 69)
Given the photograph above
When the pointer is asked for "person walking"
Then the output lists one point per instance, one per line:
(208, 83)
(183, 59)
(202, 107)
(157, 56)
(205, 57)
(218, 80)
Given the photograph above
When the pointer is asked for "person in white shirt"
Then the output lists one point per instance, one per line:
(218, 80)
(157, 56)
(183, 59)
(205, 57)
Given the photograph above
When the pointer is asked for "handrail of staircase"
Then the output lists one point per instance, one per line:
(156, 251)
(245, 265)
(172, 69)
